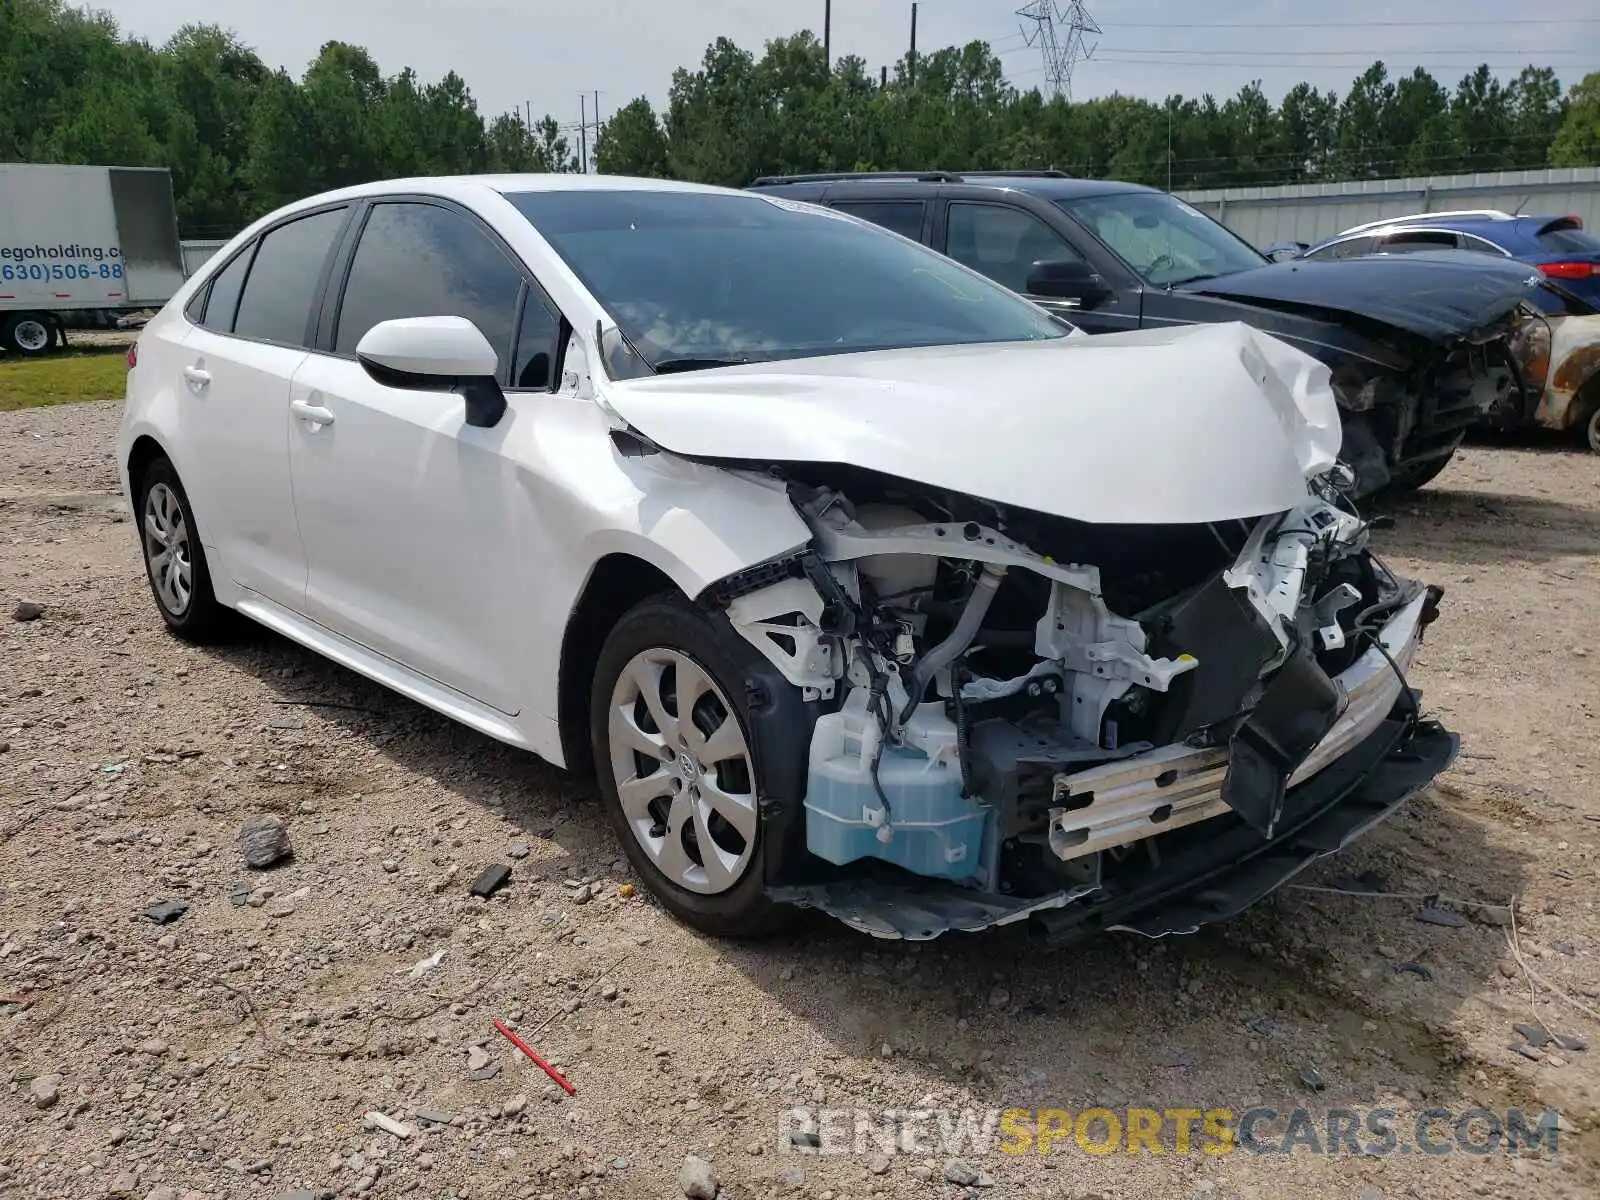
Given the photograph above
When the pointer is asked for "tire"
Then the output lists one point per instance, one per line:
(1591, 430)
(657, 645)
(1412, 477)
(165, 522)
(30, 335)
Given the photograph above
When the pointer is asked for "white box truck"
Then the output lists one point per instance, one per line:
(78, 245)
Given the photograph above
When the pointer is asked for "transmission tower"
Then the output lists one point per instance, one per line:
(1061, 32)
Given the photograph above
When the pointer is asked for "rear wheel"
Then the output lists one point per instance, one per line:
(28, 334)
(174, 560)
(678, 778)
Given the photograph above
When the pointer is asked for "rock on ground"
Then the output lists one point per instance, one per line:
(696, 1179)
(263, 841)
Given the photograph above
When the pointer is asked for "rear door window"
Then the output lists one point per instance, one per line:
(1413, 240)
(424, 260)
(1349, 248)
(901, 216)
(284, 278)
(1003, 242)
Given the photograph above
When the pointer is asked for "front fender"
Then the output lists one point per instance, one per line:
(698, 524)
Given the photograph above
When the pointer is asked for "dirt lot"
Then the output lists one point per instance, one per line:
(234, 1052)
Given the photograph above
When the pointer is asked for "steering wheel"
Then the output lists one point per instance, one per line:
(1158, 262)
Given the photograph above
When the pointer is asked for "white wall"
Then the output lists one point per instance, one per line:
(1312, 212)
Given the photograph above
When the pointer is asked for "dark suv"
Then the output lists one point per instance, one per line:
(1419, 348)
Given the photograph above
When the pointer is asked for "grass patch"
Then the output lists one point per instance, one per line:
(62, 378)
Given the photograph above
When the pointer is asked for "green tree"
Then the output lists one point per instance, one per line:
(550, 151)
(1309, 121)
(632, 142)
(1360, 151)
(1417, 113)
(241, 139)
(1481, 112)
(1577, 142)
(1537, 110)
(715, 121)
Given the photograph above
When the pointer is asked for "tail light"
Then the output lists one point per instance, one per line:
(133, 355)
(1568, 270)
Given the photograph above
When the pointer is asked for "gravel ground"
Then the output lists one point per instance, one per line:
(235, 1051)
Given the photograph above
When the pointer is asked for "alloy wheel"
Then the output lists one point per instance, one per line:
(683, 771)
(166, 549)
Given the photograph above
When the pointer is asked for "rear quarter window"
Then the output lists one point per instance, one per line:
(220, 298)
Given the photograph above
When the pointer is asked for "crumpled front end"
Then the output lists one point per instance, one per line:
(1024, 716)
(1402, 424)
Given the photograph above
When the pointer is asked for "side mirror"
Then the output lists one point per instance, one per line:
(1285, 251)
(437, 354)
(1067, 280)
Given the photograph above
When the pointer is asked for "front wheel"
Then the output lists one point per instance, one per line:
(679, 781)
(1591, 431)
(1416, 475)
(27, 334)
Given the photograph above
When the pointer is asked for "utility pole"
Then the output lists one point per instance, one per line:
(911, 62)
(827, 33)
(883, 76)
(583, 134)
(597, 130)
(1169, 146)
(527, 120)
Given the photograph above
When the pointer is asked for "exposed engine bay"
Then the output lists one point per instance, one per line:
(1019, 706)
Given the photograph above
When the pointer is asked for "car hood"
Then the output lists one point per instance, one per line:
(1434, 293)
(1189, 424)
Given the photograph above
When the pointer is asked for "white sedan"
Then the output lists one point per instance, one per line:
(857, 581)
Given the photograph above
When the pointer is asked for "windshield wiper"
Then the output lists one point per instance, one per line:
(1172, 283)
(667, 366)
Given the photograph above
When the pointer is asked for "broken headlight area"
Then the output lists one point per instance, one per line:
(1017, 708)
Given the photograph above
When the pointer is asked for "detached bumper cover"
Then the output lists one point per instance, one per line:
(1186, 882)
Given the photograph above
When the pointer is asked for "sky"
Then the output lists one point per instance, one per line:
(546, 53)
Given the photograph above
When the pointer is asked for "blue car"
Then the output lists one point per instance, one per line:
(1559, 246)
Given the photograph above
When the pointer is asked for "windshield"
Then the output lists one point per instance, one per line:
(1165, 240)
(696, 279)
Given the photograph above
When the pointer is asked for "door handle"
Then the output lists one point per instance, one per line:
(311, 414)
(198, 376)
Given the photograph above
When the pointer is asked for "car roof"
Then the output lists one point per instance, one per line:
(464, 187)
(1498, 228)
(1048, 187)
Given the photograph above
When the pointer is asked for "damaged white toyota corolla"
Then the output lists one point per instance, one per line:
(859, 582)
